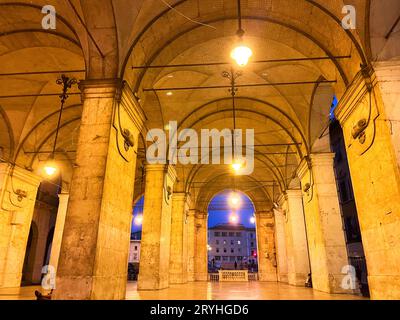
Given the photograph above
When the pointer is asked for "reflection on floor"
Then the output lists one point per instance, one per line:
(207, 291)
(233, 291)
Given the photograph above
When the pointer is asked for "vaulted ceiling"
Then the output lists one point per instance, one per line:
(109, 38)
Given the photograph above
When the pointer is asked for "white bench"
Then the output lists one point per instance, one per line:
(233, 275)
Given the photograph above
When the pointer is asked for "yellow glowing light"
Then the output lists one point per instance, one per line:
(234, 200)
(241, 54)
(236, 166)
(170, 93)
(233, 218)
(50, 168)
(139, 220)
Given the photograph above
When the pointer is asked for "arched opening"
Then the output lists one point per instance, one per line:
(351, 226)
(39, 245)
(29, 255)
(135, 240)
(232, 240)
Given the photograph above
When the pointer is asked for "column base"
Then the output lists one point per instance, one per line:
(201, 276)
(90, 288)
(191, 277)
(297, 279)
(177, 278)
(151, 284)
(283, 278)
(331, 284)
(268, 277)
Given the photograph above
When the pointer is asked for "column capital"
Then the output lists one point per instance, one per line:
(322, 159)
(180, 196)
(264, 214)
(100, 88)
(21, 174)
(201, 215)
(295, 193)
(192, 213)
(387, 70)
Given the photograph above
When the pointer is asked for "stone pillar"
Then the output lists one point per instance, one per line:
(326, 242)
(296, 239)
(58, 230)
(280, 243)
(178, 261)
(191, 243)
(95, 246)
(18, 189)
(388, 81)
(374, 160)
(43, 216)
(201, 253)
(156, 230)
(267, 263)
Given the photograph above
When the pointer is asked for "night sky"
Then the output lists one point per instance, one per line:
(219, 210)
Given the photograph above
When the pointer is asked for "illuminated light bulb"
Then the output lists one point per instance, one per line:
(50, 168)
(241, 54)
(236, 166)
(233, 218)
(252, 220)
(234, 200)
(169, 93)
(139, 220)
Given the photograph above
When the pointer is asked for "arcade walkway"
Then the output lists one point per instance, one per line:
(207, 291)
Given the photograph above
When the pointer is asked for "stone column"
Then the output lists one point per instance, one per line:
(95, 245)
(267, 263)
(374, 160)
(296, 239)
(18, 189)
(280, 243)
(201, 258)
(156, 230)
(191, 242)
(326, 242)
(58, 230)
(178, 261)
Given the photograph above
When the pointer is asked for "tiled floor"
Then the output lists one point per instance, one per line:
(207, 291)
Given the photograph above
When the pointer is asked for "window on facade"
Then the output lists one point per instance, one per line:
(225, 251)
(217, 234)
(231, 234)
(217, 258)
(252, 244)
(251, 235)
(224, 234)
(239, 258)
(232, 242)
(232, 250)
(217, 242)
(239, 249)
(135, 248)
(238, 234)
(239, 242)
(232, 259)
(217, 250)
(225, 258)
(224, 241)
